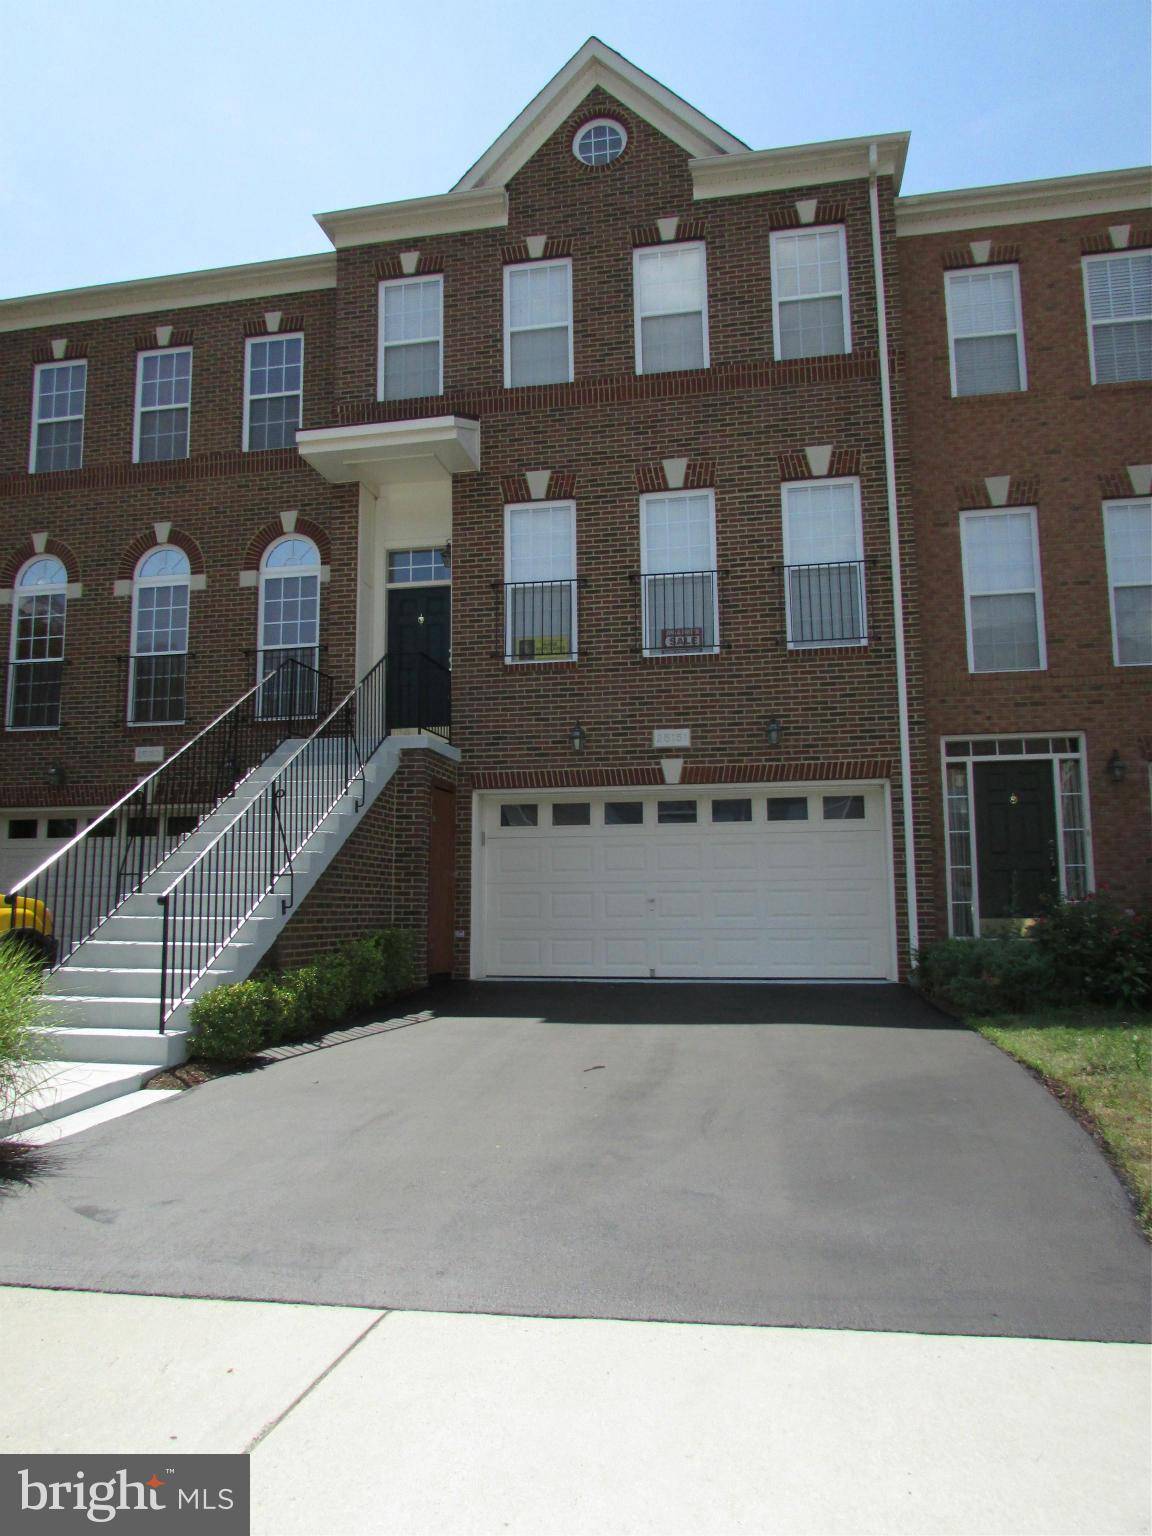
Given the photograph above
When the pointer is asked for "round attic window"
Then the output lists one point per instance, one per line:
(599, 142)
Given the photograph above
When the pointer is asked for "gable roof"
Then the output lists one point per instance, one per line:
(595, 64)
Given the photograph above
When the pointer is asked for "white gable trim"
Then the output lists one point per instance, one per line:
(596, 65)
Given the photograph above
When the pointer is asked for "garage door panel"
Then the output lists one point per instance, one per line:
(755, 899)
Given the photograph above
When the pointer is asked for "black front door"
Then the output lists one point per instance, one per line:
(419, 636)
(1015, 838)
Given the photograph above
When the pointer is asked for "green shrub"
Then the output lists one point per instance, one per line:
(232, 1021)
(1099, 951)
(22, 1008)
(247, 1016)
(1003, 975)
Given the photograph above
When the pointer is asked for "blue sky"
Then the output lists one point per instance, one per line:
(144, 138)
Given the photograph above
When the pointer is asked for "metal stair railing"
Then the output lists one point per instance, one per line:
(105, 863)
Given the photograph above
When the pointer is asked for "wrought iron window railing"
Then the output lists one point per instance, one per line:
(825, 603)
(34, 689)
(679, 612)
(158, 690)
(540, 620)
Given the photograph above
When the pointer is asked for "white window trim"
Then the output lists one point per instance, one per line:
(774, 243)
(820, 645)
(599, 122)
(138, 408)
(267, 575)
(527, 266)
(382, 345)
(53, 590)
(646, 650)
(407, 549)
(1119, 501)
(540, 661)
(138, 583)
(1090, 324)
(1037, 590)
(969, 761)
(38, 421)
(949, 277)
(639, 315)
(276, 395)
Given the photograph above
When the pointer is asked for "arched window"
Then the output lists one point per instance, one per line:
(289, 628)
(159, 665)
(36, 657)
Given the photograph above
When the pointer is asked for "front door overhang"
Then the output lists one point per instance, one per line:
(387, 452)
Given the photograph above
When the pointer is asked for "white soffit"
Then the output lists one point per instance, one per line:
(1025, 202)
(596, 65)
(798, 165)
(216, 285)
(445, 214)
(389, 451)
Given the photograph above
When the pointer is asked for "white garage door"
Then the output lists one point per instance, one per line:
(687, 882)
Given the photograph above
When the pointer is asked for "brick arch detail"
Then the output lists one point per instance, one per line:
(143, 542)
(272, 531)
(26, 551)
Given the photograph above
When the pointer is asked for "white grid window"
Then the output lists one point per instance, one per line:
(985, 334)
(289, 629)
(538, 323)
(810, 293)
(58, 416)
(540, 582)
(163, 405)
(1128, 543)
(36, 657)
(671, 306)
(417, 566)
(824, 563)
(159, 663)
(678, 574)
(1005, 618)
(1118, 298)
(273, 391)
(411, 338)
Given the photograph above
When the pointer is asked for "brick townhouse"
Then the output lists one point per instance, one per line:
(780, 549)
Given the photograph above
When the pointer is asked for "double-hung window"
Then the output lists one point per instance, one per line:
(538, 323)
(540, 581)
(411, 362)
(678, 574)
(985, 333)
(1118, 299)
(671, 307)
(159, 666)
(1128, 542)
(36, 657)
(810, 293)
(1005, 612)
(163, 405)
(58, 417)
(824, 563)
(273, 391)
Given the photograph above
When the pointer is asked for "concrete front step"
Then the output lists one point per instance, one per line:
(126, 983)
(67, 1087)
(147, 1048)
(127, 954)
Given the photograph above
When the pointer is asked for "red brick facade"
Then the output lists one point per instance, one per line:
(743, 425)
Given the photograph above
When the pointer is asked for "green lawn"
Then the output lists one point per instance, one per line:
(1103, 1060)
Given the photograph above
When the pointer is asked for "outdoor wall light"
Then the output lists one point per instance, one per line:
(577, 737)
(1116, 768)
(446, 555)
(57, 775)
(774, 729)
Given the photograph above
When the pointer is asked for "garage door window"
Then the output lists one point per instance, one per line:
(623, 813)
(843, 807)
(676, 811)
(788, 808)
(572, 815)
(519, 815)
(731, 810)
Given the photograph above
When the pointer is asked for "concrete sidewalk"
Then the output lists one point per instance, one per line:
(361, 1421)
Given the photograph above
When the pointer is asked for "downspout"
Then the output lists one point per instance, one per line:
(894, 557)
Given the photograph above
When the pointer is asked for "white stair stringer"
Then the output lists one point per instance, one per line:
(104, 1000)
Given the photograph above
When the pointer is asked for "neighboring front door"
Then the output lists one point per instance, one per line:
(419, 625)
(1015, 838)
(441, 881)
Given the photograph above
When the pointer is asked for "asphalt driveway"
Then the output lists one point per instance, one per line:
(836, 1157)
